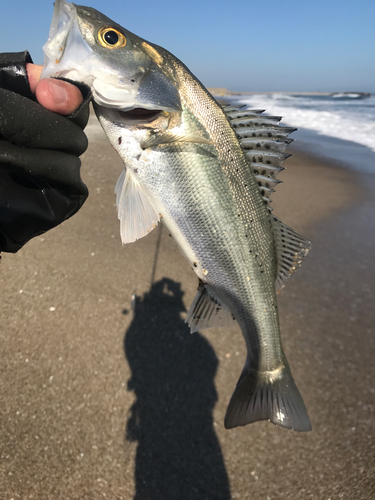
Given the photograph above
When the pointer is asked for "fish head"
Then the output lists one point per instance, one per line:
(123, 71)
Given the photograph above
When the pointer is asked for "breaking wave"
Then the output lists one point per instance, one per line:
(346, 116)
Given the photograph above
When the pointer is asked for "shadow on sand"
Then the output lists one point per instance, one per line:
(178, 455)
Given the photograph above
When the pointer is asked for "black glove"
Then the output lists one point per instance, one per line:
(40, 183)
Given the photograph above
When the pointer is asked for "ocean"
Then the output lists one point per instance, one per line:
(339, 126)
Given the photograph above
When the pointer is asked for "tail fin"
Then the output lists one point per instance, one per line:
(267, 396)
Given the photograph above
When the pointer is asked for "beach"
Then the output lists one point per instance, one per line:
(106, 394)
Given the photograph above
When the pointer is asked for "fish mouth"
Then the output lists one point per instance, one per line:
(63, 17)
(64, 38)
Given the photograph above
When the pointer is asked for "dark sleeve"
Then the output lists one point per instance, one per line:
(40, 182)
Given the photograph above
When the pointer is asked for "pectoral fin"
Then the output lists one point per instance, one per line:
(159, 138)
(137, 215)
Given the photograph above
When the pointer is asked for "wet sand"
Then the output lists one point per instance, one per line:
(105, 394)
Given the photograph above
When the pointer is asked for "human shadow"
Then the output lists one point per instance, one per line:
(178, 455)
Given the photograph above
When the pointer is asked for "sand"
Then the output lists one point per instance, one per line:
(105, 394)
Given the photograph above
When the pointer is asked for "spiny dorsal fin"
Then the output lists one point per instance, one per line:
(137, 215)
(291, 249)
(206, 311)
(229, 109)
(263, 142)
(275, 133)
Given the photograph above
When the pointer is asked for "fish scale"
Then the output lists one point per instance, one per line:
(207, 173)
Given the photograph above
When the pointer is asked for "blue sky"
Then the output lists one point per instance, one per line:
(289, 45)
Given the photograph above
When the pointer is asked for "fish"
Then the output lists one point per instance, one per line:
(207, 172)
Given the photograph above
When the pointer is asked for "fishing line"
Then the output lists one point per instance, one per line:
(156, 256)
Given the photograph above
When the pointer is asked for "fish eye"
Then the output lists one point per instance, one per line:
(111, 38)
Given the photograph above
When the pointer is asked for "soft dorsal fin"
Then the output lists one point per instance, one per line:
(263, 142)
(206, 311)
(291, 249)
(137, 215)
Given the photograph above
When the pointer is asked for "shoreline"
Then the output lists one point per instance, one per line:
(348, 154)
(304, 200)
(223, 92)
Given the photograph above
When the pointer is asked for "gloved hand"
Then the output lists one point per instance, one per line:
(40, 183)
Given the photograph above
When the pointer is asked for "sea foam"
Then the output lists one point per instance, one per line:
(350, 117)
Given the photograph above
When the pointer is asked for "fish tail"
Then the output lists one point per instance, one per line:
(267, 396)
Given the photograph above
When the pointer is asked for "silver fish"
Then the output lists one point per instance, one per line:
(207, 172)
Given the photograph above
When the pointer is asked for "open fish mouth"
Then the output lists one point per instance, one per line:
(66, 50)
(63, 18)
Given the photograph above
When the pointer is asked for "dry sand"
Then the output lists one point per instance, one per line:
(105, 396)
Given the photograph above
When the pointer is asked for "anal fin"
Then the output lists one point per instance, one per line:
(206, 311)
